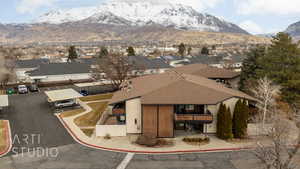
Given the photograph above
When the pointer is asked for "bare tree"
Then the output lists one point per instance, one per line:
(7, 65)
(283, 144)
(116, 68)
(265, 92)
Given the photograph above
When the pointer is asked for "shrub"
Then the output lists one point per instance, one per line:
(196, 139)
(147, 141)
(107, 137)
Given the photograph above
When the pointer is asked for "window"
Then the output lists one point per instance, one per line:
(190, 107)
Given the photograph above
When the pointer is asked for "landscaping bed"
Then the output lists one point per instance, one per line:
(88, 132)
(196, 140)
(71, 113)
(91, 118)
(148, 141)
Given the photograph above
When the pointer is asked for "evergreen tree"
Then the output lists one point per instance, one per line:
(240, 119)
(224, 123)
(282, 65)
(245, 117)
(72, 53)
(130, 51)
(220, 120)
(227, 130)
(181, 49)
(237, 120)
(103, 52)
(250, 67)
(205, 51)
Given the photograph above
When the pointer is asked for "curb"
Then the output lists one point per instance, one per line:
(78, 140)
(8, 139)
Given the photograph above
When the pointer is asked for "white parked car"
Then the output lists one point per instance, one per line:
(64, 103)
(22, 89)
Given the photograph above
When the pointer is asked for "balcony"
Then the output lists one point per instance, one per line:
(203, 118)
(118, 111)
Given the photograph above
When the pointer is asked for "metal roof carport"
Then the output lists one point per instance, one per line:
(60, 95)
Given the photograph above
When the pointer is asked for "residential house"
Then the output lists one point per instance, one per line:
(22, 66)
(61, 72)
(228, 77)
(148, 66)
(161, 104)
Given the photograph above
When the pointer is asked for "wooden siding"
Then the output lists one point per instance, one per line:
(165, 121)
(150, 120)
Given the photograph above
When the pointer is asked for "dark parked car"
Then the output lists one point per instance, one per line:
(84, 92)
(33, 88)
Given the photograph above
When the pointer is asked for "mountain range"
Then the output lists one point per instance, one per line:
(128, 20)
(142, 13)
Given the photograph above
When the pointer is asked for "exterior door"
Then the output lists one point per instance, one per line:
(166, 121)
(150, 120)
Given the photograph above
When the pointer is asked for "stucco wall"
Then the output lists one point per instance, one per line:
(133, 116)
(212, 128)
(111, 130)
(57, 78)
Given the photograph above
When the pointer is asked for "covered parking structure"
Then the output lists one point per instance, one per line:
(4, 104)
(55, 96)
(93, 88)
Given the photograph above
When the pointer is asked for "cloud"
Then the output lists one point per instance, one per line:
(280, 7)
(30, 6)
(251, 27)
(198, 4)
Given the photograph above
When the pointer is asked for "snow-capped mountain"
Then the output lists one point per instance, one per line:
(141, 13)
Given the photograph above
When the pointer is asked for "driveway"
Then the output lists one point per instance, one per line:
(33, 123)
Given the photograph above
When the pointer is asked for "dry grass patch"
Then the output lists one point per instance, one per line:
(91, 118)
(2, 136)
(96, 97)
(88, 132)
(71, 113)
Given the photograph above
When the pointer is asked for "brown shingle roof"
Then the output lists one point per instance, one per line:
(206, 71)
(170, 88)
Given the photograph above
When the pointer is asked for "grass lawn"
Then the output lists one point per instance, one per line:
(88, 132)
(72, 113)
(91, 118)
(96, 97)
(2, 137)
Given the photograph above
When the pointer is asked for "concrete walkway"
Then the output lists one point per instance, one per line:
(126, 144)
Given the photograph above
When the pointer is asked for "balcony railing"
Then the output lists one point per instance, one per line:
(118, 111)
(204, 118)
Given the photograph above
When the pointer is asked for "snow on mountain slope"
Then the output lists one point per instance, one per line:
(140, 13)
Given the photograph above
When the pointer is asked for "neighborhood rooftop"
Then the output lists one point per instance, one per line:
(60, 68)
(206, 71)
(174, 88)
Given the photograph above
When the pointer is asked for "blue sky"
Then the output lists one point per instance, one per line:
(256, 16)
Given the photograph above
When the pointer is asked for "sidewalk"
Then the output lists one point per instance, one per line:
(8, 141)
(125, 144)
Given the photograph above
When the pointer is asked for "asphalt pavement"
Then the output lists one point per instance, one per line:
(33, 123)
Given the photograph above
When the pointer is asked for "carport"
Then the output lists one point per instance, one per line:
(103, 86)
(3, 103)
(62, 95)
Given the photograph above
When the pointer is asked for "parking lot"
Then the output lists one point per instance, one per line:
(33, 123)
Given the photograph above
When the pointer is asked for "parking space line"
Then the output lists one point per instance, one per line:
(125, 161)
